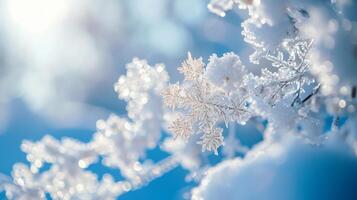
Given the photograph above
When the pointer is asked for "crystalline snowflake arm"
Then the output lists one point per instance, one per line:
(192, 68)
(212, 139)
(291, 73)
(181, 127)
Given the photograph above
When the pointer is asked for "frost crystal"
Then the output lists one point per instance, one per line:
(212, 140)
(291, 73)
(181, 127)
(207, 98)
(171, 96)
(191, 68)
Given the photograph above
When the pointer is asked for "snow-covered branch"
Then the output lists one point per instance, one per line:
(306, 74)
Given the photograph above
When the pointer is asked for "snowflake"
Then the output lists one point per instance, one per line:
(171, 95)
(212, 140)
(292, 66)
(191, 68)
(181, 128)
(205, 100)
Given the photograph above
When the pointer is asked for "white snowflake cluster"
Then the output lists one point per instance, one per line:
(120, 142)
(206, 97)
(290, 73)
(330, 24)
(65, 179)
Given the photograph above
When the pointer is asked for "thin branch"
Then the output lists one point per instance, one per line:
(335, 123)
(158, 170)
(314, 92)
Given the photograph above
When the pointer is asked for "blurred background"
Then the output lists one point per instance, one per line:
(59, 60)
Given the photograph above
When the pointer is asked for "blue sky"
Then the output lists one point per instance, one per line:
(161, 31)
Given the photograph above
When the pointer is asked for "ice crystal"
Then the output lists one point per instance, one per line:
(291, 73)
(171, 95)
(205, 100)
(191, 68)
(181, 127)
(212, 140)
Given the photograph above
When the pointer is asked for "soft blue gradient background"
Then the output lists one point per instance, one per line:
(185, 28)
